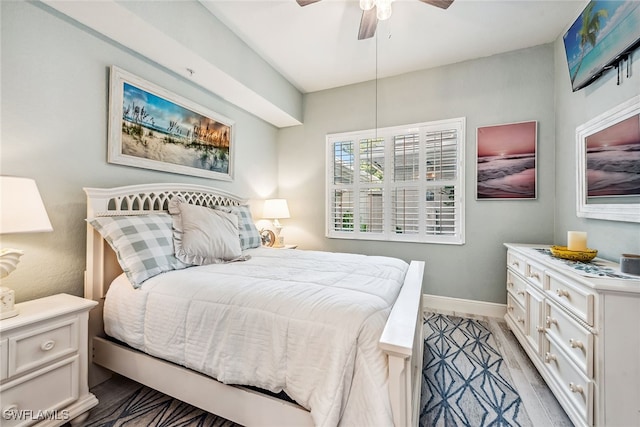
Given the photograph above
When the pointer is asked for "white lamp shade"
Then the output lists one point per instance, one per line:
(275, 209)
(21, 207)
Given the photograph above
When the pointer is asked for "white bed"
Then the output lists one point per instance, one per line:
(341, 333)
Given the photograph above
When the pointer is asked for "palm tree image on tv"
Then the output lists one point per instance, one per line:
(604, 34)
(589, 31)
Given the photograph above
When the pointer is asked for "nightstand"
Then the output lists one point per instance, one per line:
(43, 363)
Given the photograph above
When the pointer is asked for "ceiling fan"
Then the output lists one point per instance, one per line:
(377, 10)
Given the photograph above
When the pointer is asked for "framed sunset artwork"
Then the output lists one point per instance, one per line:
(506, 161)
(608, 149)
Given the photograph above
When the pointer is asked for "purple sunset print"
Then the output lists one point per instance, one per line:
(613, 160)
(507, 161)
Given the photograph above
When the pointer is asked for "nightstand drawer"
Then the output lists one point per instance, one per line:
(48, 389)
(36, 347)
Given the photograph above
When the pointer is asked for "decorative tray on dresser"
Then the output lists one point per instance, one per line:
(580, 325)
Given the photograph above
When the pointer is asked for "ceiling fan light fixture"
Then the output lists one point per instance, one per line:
(383, 9)
(367, 4)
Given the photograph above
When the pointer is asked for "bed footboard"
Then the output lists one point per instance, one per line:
(402, 341)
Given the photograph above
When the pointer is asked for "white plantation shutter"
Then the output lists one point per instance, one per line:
(402, 183)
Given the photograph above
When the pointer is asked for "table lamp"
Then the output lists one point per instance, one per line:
(276, 209)
(21, 211)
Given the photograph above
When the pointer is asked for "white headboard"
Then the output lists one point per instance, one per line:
(102, 266)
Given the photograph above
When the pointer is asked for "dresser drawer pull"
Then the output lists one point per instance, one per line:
(510, 284)
(576, 343)
(551, 321)
(540, 328)
(47, 345)
(549, 357)
(535, 276)
(510, 307)
(520, 292)
(576, 388)
(562, 293)
(515, 263)
(520, 319)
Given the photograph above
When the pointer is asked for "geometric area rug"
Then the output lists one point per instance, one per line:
(465, 381)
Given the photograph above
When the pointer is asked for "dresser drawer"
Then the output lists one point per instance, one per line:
(535, 275)
(516, 286)
(574, 339)
(36, 347)
(516, 262)
(575, 298)
(49, 389)
(574, 388)
(516, 312)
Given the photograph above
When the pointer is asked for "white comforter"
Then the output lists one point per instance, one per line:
(304, 322)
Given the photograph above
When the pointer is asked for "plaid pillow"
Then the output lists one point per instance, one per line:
(143, 244)
(249, 234)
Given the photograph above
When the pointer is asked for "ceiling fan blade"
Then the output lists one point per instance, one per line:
(442, 4)
(306, 2)
(368, 24)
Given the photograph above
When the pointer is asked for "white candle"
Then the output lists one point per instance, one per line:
(577, 241)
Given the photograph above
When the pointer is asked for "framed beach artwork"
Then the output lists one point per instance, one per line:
(152, 128)
(608, 152)
(506, 161)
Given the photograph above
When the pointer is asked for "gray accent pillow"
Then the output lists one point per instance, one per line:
(203, 235)
(142, 243)
(249, 234)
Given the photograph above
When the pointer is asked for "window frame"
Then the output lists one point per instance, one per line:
(389, 184)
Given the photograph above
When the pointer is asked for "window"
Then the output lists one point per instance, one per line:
(403, 183)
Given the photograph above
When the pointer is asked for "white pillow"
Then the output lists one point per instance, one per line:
(202, 235)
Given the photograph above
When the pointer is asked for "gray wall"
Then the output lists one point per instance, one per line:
(611, 238)
(512, 87)
(54, 130)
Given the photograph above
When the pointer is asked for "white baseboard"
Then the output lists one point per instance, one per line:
(448, 305)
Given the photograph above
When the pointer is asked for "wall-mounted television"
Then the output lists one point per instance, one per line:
(605, 32)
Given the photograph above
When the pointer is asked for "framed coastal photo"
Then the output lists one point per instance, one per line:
(506, 161)
(152, 128)
(608, 151)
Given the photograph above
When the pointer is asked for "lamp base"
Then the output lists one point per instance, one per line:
(7, 298)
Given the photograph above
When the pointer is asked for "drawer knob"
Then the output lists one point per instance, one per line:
(576, 343)
(562, 293)
(551, 321)
(515, 263)
(535, 276)
(47, 345)
(520, 292)
(520, 319)
(510, 307)
(549, 357)
(576, 388)
(540, 328)
(510, 284)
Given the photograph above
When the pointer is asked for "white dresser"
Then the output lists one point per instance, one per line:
(43, 363)
(581, 332)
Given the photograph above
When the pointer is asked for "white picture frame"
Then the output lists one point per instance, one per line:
(623, 205)
(153, 128)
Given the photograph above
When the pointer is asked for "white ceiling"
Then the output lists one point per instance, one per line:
(315, 47)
